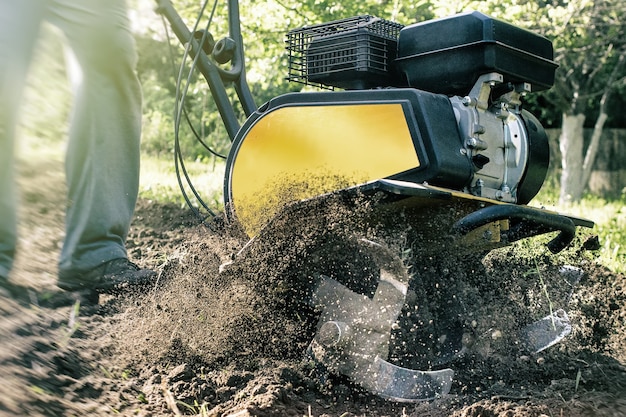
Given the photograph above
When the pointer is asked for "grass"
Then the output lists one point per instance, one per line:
(609, 216)
(159, 181)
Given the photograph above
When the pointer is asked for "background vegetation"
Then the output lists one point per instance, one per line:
(264, 25)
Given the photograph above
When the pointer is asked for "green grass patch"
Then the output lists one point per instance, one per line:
(609, 216)
(159, 181)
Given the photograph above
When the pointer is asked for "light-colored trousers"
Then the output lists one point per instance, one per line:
(102, 159)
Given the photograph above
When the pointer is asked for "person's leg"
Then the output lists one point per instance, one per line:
(102, 161)
(19, 28)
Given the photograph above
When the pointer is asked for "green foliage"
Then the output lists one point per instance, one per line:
(610, 218)
(159, 181)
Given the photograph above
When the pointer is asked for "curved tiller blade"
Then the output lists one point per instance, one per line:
(408, 385)
(546, 332)
(354, 333)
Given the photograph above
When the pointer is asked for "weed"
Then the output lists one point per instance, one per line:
(72, 324)
(544, 288)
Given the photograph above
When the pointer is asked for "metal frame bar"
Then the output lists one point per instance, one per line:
(215, 76)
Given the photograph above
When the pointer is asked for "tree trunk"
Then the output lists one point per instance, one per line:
(592, 149)
(571, 144)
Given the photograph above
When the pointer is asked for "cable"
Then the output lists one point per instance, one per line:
(185, 112)
(179, 111)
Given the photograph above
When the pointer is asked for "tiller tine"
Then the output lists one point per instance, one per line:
(354, 333)
(546, 332)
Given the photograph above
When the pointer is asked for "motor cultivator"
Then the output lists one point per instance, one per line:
(427, 142)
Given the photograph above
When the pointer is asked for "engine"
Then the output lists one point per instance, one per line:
(507, 146)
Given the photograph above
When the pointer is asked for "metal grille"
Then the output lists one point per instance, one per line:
(348, 53)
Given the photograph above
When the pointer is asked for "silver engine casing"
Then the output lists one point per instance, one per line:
(495, 138)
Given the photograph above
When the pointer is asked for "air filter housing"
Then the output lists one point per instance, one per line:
(353, 53)
(448, 55)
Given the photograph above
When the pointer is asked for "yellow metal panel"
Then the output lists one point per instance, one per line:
(299, 152)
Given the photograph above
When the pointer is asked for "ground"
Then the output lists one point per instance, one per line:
(232, 343)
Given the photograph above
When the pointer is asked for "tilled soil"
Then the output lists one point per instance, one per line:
(225, 333)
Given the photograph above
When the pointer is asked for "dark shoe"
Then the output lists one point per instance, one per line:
(112, 277)
(16, 292)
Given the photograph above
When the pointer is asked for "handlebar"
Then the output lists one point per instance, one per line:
(215, 75)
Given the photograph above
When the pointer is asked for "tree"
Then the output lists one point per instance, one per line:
(591, 50)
